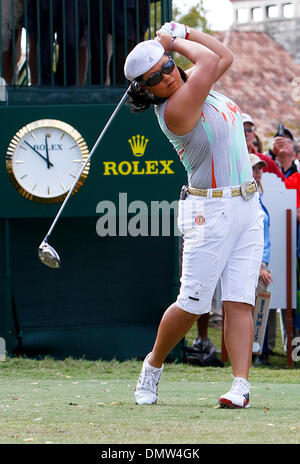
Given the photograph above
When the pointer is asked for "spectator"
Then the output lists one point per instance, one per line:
(265, 277)
(297, 154)
(11, 32)
(203, 352)
(118, 31)
(284, 150)
(203, 341)
(42, 41)
(251, 140)
(281, 131)
(293, 182)
(75, 45)
(272, 167)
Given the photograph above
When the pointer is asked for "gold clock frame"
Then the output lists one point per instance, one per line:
(46, 123)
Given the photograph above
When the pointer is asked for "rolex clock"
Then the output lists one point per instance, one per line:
(44, 158)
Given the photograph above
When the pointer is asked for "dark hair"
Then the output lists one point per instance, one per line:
(140, 100)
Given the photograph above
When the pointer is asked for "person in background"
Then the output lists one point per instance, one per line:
(254, 146)
(284, 149)
(71, 41)
(202, 341)
(203, 352)
(282, 132)
(107, 59)
(293, 182)
(265, 277)
(11, 32)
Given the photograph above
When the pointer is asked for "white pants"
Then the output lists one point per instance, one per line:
(223, 239)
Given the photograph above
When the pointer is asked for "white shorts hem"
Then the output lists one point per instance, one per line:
(249, 301)
(184, 308)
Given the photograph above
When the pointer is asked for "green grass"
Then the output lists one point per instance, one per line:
(81, 401)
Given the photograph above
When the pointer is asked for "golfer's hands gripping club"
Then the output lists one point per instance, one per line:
(169, 31)
(174, 29)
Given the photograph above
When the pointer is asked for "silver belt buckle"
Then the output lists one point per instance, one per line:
(246, 195)
(184, 192)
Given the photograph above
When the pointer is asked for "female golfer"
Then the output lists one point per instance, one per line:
(219, 213)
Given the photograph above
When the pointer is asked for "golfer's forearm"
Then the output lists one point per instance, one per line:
(195, 52)
(210, 42)
(225, 55)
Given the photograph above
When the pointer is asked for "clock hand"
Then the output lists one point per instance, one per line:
(47, 153)
(38, 153)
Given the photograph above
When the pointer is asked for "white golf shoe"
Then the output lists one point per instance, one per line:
(238, 396)
(147, 385)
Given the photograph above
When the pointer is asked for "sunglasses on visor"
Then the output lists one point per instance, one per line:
(156, 78)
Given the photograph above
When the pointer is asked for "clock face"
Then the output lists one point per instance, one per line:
(44, 158)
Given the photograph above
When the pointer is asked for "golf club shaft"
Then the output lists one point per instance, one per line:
(85, 164)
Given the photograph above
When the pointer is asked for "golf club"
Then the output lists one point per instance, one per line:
(47, 254)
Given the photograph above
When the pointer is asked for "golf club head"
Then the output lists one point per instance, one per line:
(48, 255)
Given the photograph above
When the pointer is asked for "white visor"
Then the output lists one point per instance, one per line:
(144, 55)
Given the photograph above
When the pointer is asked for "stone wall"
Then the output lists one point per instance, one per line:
(284, 30)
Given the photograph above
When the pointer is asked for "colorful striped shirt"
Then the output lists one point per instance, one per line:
(215, 152)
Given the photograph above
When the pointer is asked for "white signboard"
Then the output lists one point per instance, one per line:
(277, 199)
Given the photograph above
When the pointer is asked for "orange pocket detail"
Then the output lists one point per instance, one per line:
(200, 220)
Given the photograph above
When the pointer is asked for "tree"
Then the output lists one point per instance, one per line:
(195, 18)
